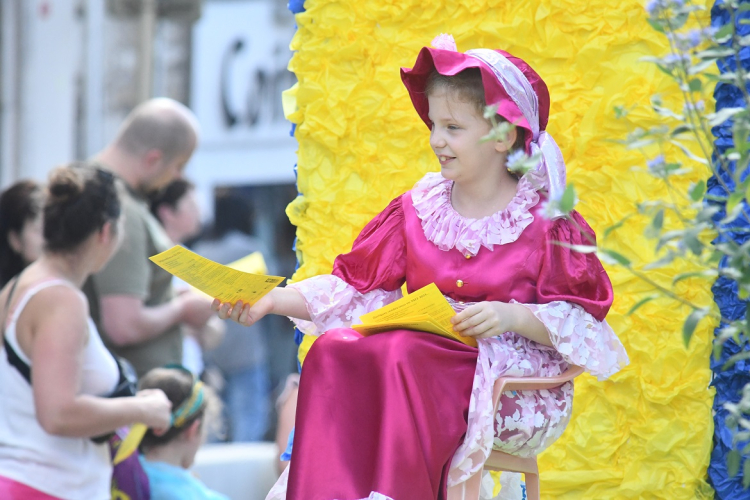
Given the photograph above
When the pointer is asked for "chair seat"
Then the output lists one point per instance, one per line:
(511, 463)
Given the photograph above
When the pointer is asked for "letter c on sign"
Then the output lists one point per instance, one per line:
(230, 116)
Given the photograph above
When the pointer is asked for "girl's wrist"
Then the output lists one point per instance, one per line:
(275, 297)
(516, 314)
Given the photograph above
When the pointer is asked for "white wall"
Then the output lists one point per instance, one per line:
(41, 45)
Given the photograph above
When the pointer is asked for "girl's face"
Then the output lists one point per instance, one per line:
(30, 241)
(457, 130)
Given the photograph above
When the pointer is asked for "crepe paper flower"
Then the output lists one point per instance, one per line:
(341, 135)
(444, 41)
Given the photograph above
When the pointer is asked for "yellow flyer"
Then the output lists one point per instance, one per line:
(253, 264)
(425, 310)
(214, 279)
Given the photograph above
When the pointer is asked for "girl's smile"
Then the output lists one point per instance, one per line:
(456, 139)
(444, 160)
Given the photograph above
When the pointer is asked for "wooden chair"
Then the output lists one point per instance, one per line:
(500, 461)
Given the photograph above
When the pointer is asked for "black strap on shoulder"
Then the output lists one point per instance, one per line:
(16, 361)
(13, 358)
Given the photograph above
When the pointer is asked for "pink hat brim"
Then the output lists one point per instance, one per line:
(448, 63)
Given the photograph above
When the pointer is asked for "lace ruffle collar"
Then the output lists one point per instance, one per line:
(447, 229)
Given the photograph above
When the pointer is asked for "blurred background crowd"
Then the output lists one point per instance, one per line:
(180, 102)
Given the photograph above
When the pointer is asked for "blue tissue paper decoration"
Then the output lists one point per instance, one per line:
(727, 382)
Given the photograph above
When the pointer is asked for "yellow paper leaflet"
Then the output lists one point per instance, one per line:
(425, 310)
(214, 279)
(253, 264)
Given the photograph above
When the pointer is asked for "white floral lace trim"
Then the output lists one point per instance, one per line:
(333, 303)
(447, 229)
(581, 339)
(278, 492)
(535, 426)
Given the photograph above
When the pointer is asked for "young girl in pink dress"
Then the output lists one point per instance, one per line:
(403, 415)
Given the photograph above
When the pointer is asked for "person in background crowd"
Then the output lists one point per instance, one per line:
(167, 457)
(241, 359)
(49, 423)
(177, 209)
(286, 409)
(20, 228)
(132, 299)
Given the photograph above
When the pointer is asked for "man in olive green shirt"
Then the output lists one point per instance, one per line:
(131, 299)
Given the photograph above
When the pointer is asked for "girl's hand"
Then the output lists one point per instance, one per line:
(486, 319)
(156, 409)
(244, 314)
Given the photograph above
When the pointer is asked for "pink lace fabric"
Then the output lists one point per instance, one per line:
(581, 339)
(333, 303)
(278, 492)
(447, 229)
(527, 422)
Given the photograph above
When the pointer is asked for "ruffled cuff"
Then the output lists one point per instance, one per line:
(581, 339)
(333, 303)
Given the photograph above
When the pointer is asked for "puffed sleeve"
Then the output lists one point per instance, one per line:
(378, 255)
(572, 276)
(574, 295)
(367, 278)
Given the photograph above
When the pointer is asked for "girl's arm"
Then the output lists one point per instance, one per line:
(490, 319)
(281, 301)
(366, 278)
(59, 333)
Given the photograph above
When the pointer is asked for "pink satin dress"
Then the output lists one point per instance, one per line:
(386, 416)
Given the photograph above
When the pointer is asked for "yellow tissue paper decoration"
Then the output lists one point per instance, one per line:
(645, 433)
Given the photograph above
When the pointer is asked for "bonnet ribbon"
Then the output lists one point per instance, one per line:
(551, 166)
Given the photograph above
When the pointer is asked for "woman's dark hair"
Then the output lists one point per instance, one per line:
(177, 385)
(20, 203)
(170, 195)
(81, 198)
(468, 87)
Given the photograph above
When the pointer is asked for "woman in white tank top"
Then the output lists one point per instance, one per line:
(46, 425)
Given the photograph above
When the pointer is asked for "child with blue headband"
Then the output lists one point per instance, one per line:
(167, 457)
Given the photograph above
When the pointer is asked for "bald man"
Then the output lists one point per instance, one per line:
(131, 299)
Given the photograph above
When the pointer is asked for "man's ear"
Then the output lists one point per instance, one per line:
(14, 240)
(152, 159)
(507, 144)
